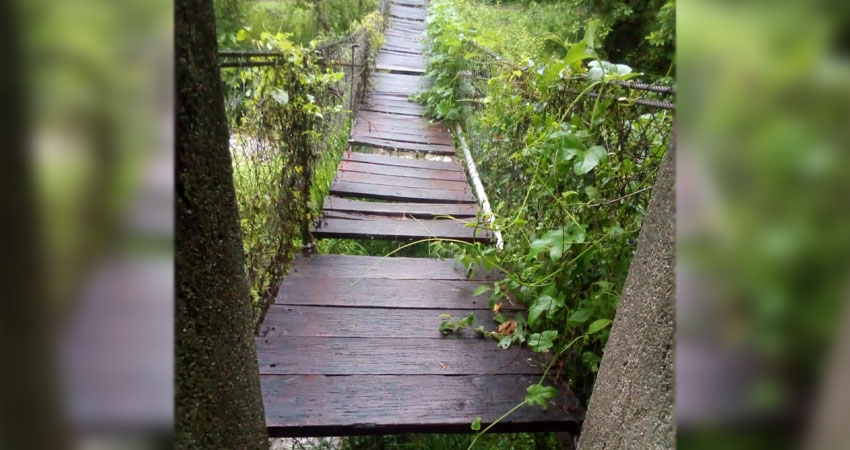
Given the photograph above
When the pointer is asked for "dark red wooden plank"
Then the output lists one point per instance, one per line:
(388, 180)
(392, 356)
(400, 161)
(369, 121)
(387, 144)
(324, 321)
(409, 172)
(357, 268)
(397, 229)
(355, 292)
(383, 130)
(364, 190)
(402, 113)
(316, 405)
(390, 122)
(421, 210)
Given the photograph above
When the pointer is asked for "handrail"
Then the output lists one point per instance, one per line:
(479, 188)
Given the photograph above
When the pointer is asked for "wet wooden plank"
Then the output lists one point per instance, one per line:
(356, 292)
(364, 190)
(397, 229)
(389, 180)
(316, 405)
(328, 321)
(408, 12)
(386, 131)
(390, 123)
(409, 172)
(403, 113)
(400, 161)
(420, 210)
(395, 356)
(356, 269)
(387, 144)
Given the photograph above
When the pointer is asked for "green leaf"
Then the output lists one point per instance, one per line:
(598, 325)
(280, 96)
(590, 159)
(505, 342)
(476, 424)
(540, 395)
(544, 304)
(481, 289)
(578, 316)
(540, 342)
(242, 35)
(557, 241)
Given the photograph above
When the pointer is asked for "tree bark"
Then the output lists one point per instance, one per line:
(30, 416)
(632, 401)
(218, 401)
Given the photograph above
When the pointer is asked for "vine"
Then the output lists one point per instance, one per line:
(568, 159)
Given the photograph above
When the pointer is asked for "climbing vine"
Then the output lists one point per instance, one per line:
(277, 119)
(568, 159)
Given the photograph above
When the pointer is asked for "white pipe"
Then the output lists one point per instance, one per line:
(479, 188)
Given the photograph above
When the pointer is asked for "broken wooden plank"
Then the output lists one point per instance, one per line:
(387, 144)
(389, 180)
(398, 229)
(400, 161)
(420, 210)
(364, 190)
(409, 172)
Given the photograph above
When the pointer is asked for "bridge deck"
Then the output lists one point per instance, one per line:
(351, 346)
(352, 343)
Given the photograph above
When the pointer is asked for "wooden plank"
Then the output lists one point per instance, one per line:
(391, 356)
(367, 121)
(364, 190)
(400, 161)
(421, 210)
(419, 294)
(403, 114)
(409, 172)
(390, 122)
(316, 405)
(387, 144)
(357, 268)
(388, 180)
(384, 130)
(325, 321)
(398, 229)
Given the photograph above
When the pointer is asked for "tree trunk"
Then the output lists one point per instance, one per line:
(632, 401)
(30, 416)
(218, 402)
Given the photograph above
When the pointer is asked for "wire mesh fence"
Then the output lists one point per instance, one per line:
(631, 120)
(288, 110)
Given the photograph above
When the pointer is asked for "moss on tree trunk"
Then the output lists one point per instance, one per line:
(218, 402)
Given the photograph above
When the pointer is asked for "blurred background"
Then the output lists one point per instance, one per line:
(86, 330)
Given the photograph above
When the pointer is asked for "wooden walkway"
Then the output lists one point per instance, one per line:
(352, 344)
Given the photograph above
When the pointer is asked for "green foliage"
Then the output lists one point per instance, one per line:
(642, 33)
(568, 162)
(277, 119)
(303, 20)
(450, 325)
(540, 395)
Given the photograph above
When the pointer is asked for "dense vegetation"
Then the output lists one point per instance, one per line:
(568, 160)
(288, 125)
